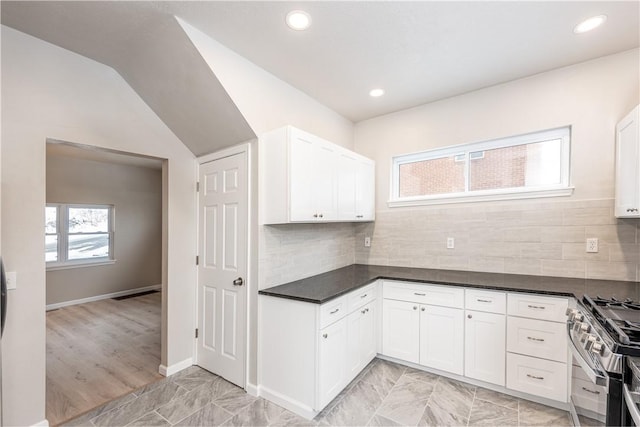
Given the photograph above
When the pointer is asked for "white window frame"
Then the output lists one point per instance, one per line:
(62, 231)
(562, 189)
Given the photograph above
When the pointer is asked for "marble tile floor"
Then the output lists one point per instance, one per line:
(383, 394)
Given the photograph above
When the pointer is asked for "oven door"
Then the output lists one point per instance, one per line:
(589, 387)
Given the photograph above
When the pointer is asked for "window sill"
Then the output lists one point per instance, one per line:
(484, 197)
(79, 264)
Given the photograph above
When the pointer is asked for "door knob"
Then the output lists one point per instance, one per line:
(238, 282)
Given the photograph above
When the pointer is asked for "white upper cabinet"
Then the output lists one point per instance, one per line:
(304, 178)
(628, 166)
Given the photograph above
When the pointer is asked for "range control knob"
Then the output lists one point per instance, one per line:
(571, 314)
(597, 348)
(578, 317)
(585, 327)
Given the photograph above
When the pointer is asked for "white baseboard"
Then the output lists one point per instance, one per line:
(176, 367)
(294, 406)
(253, 390)
(104, 296)
(43, 423)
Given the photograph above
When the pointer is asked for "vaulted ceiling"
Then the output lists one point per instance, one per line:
(418, 52)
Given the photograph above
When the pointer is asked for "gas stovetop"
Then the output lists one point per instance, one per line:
(621, 319)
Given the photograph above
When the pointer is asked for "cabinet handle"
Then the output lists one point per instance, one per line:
(315, 215)
(422, 308)
(325, 335)
(632, 210)
(469, 316)
(321, 216)
(359, 216)
(535, 339)
(415, 307)
(591, 391)
(366, 309)
(534, 377)
(483, 300)
(334, 311)
(363, 311)
(419, 294)
(363, 296)
(537, 307)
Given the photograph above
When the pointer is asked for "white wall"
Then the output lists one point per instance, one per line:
(591, 97)
(538, 237)
(265, 101)
(48, 92)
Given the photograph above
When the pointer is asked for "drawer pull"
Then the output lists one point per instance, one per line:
(415, 307)
(483, 300)
(591, 391)
(420, 294)
(363, 296)
(363, 311)
(537, 307)
(535, 339)
(366, 309)
(534, 377)
(334, 311)
(423, 308)
(325, 335)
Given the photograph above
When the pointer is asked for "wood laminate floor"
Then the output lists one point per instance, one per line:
(99, 351)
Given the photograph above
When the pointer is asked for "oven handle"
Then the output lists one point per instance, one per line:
(593, 375)
(631, 404)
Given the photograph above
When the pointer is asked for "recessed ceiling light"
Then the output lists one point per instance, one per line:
(376, 92)
(590, 24)
(298, 20)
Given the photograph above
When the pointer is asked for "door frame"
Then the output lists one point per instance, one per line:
(218, 155)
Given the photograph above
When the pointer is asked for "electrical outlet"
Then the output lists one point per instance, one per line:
(592, 245)
(450, 242)
(367, 242)
(12, 279)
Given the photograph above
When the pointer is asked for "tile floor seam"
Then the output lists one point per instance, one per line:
(161, 416)
(475, 391)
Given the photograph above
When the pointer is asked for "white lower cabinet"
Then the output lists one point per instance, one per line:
(536, 376)
(332, 361)
(442, 338)
(401, 330)
(361, 342)
(484, 346)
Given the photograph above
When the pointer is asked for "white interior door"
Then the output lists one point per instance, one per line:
(222, 269)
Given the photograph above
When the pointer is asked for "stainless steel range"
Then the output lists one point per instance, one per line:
(604, 335)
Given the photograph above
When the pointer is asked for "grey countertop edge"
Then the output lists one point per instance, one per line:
(292, 290)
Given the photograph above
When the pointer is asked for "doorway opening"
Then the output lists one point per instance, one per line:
(103, 240)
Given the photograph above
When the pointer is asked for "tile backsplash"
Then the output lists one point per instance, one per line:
(535, 237)
(527, 237)
(295, 251)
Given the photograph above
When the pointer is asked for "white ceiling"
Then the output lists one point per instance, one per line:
(417, 51)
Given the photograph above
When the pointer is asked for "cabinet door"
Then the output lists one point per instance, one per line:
(301, 179)
(365, 191)
(361, 345)
(485, 346)
(332, 362)
(442, 338)
(346, 173)
(324, 180)
(627, 167)
(400, 330)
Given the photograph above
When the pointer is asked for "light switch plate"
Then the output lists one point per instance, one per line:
(12, 279)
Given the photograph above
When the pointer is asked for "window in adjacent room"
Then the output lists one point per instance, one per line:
(78, 234)
(523, 166)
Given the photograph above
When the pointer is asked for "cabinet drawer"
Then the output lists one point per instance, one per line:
(537, 376)
(488, 301)
(332, 311)
(538, 338)
(361, 296)
(537, 307)
(445, 296)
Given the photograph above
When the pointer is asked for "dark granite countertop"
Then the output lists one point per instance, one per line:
(327, 286)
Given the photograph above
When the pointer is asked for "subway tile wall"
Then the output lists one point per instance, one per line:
(522, 237)
(295, 251)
